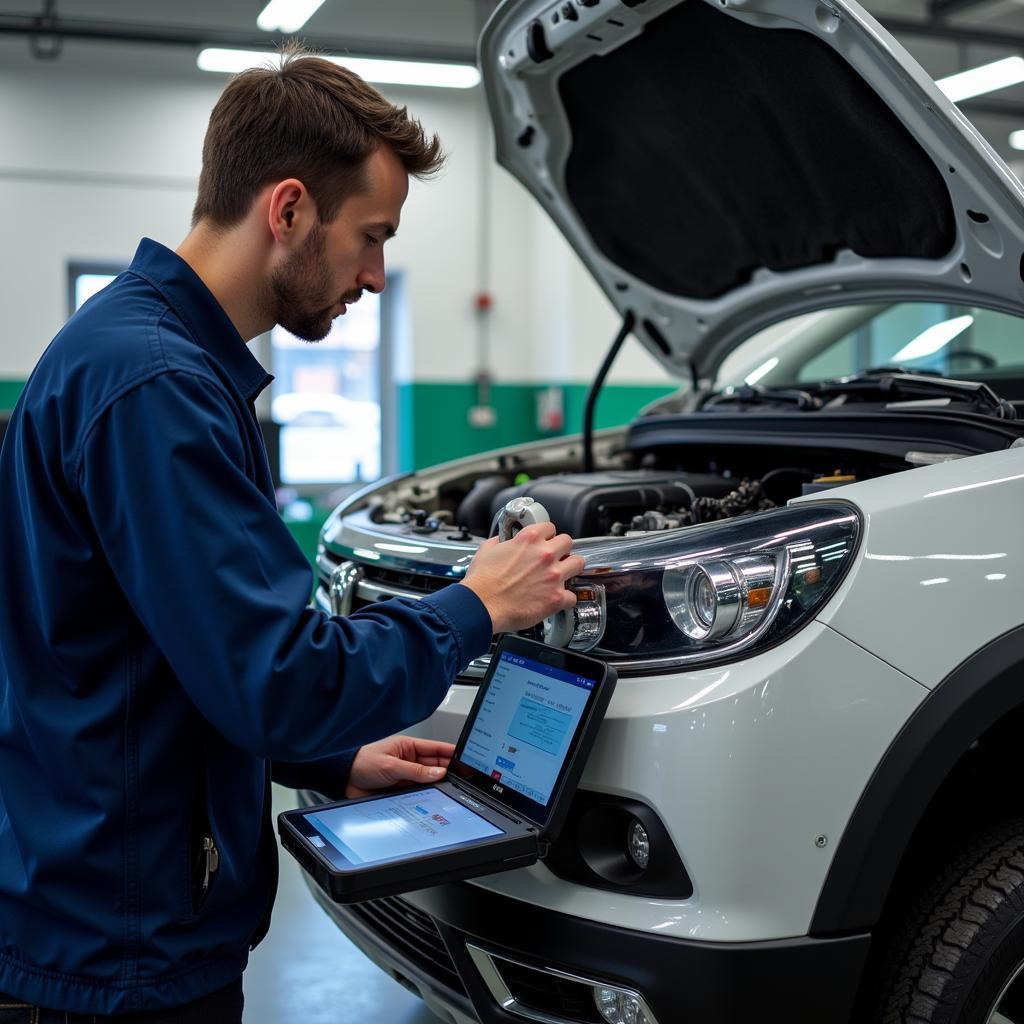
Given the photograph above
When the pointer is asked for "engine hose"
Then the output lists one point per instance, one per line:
(588, 410)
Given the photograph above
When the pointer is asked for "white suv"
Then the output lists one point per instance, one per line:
(807, 566)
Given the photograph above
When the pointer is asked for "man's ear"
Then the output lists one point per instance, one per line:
(292, 212)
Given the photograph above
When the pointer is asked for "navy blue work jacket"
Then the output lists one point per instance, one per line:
(157, 653)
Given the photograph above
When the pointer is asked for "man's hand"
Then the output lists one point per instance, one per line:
(522, 580)
(396, 760)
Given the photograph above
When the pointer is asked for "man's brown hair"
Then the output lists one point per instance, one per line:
(306, 118)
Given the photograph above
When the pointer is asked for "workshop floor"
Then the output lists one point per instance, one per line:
(307, 972)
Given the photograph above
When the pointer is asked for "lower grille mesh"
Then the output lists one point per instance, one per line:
(557, 997)
(412, 933)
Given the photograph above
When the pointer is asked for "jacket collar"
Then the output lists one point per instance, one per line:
(203, 316)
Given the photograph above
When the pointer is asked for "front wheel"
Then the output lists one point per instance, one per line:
(958, 957)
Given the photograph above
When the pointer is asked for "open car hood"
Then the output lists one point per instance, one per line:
(720, 165)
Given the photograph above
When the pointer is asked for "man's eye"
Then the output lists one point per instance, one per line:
(372, 240)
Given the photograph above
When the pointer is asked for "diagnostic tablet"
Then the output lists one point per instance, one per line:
(515, 767)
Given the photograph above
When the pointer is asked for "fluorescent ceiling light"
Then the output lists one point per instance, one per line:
(934, 338)
(287, 15)
(987, 78)
(383, 72)
(1017, 140)
(765, 368)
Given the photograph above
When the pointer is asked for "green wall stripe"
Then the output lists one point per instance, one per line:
(10, 392)
(307, 532)
(616, 404)
(433, 417)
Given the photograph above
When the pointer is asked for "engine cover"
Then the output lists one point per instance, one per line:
(587, 504)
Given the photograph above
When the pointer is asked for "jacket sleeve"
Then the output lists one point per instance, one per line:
(214, 576)
(328, 775)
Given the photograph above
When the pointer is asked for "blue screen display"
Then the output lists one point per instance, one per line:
(402, 825)
(525, 725)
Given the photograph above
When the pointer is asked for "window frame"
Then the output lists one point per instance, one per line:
(77, 268)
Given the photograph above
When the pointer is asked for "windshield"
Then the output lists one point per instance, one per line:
(962, 342)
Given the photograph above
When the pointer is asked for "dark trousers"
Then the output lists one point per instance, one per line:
(221, 1007)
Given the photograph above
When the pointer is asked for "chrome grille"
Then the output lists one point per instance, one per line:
(380, 583)
(407, 929)
(393, 582)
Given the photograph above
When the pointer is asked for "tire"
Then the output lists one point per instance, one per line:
(958, 955)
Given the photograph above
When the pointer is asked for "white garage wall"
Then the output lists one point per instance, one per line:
(91, 159)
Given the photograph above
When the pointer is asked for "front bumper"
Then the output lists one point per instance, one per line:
(754, 768)
(421, 940)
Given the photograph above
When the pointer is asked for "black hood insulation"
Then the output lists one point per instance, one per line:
(705, 149)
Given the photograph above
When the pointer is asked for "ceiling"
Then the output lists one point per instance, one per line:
(433, 24)
(944, 35)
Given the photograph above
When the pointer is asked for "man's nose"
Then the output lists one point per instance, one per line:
(372, 277)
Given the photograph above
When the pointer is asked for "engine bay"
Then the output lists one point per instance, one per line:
(727, 454)
(613, 502)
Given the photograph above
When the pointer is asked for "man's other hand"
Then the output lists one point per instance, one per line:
(522, 580)
(395, 761)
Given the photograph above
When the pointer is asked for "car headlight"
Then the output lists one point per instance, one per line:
(711, 592)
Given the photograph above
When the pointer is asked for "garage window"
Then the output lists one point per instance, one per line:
(326, 399)
(86, 278)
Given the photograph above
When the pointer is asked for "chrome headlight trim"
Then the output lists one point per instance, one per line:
(633, 574)
(732, 589)
(356, 538)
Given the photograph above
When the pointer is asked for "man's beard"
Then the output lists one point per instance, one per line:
(300, 289)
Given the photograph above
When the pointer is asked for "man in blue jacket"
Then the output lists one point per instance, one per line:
(158, 660)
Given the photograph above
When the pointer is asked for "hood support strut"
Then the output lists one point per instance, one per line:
(628, 322)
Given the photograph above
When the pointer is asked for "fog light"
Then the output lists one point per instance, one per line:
(619, 1007)
(638, 844)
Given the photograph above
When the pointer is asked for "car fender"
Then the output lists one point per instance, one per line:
(940, 564)
(971, 699)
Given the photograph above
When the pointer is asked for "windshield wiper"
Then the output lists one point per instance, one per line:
(757, 394)
(896, 386)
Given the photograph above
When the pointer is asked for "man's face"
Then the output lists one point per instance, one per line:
(338, 261)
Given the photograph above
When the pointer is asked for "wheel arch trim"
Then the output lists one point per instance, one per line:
(972, 698)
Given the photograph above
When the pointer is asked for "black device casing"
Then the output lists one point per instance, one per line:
(525, 841)
(519, 847)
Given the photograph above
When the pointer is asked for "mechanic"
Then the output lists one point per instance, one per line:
(159, 662)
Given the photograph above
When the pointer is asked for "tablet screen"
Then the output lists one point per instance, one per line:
(524, 731)
(392, 827)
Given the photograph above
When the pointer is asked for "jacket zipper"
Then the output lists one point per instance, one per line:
(206, 856)
(209, 861)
